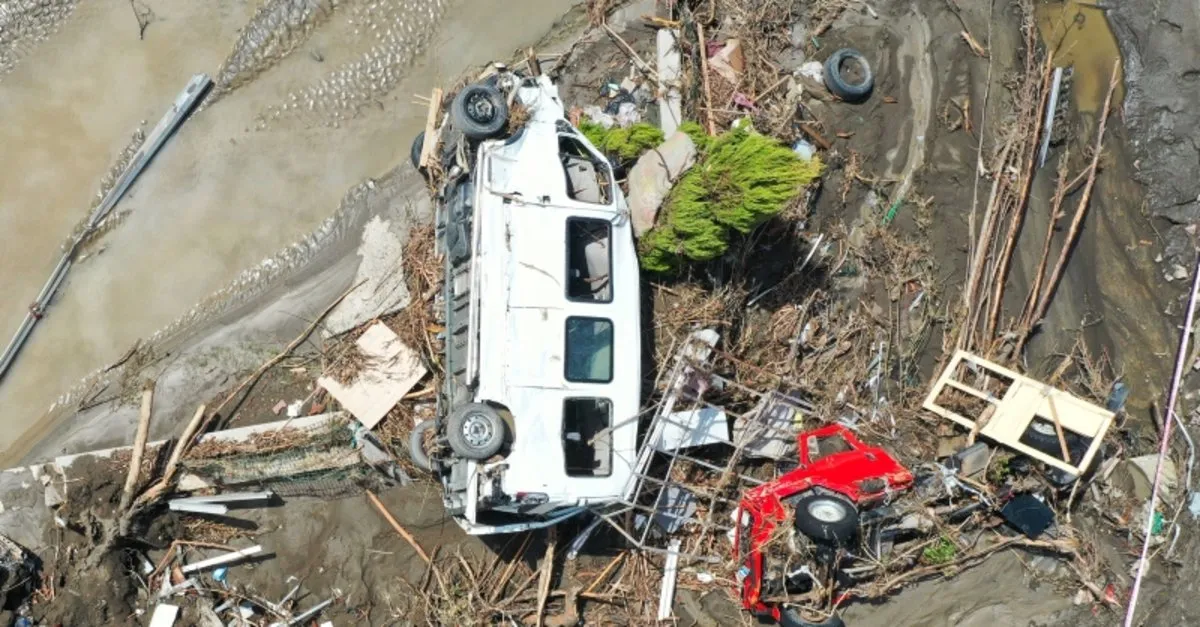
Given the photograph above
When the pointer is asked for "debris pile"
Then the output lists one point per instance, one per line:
(824, 419)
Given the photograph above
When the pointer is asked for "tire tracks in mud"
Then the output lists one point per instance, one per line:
(914, 47)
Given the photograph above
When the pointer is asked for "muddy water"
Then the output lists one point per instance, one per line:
(1079, 36)
(239, 182)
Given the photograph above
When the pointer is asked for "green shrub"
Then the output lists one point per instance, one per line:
(941, 551)
(627, 144)
(742, 179)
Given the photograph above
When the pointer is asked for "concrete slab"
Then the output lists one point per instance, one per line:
(381, 274)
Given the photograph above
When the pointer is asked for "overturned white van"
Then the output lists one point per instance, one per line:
(538, 415)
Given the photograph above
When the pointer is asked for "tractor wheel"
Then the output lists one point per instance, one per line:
(827, 518)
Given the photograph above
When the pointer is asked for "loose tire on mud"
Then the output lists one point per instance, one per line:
(826, 517)
(1042, 436)
(416, 445)
(839, 84)
(480, 111)
(791, 617)
(475, 431)
(414, 153)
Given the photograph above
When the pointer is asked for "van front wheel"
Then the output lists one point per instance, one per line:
(475, 431)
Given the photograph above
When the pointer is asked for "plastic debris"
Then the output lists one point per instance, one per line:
(813, 70)
(1029, 515)
(628, 115)
(804, 150)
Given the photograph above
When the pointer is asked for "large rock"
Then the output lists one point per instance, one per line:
(651, 178)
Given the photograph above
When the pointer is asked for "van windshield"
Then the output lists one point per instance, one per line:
(589, 351)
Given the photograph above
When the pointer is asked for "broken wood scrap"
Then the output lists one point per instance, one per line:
(1027, 167)
(708, 112)
(139, 447)
(606, 572)
(546, 575)
(812, 133)
(510, 569)
(430, 137)
(975, 46)
(387, 515)
(1037, 313)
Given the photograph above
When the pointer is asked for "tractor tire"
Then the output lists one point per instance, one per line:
(475, 431)
(480, 111)
(827, 518)
(790, 617)
(416, 445)
(839, 84)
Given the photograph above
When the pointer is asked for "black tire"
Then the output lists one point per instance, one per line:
(414, 153)
(826, 517)
(1042, 436)
(416, 445)
(790, 617)
(839, 85)
(475, 431)
(479, 111)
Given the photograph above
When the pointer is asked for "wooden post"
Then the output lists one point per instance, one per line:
(1062, 438)
(708, 108)
(535, 66)
(547, 573)
(430, 142)
(139, 446)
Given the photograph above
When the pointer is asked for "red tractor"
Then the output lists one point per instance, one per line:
(837, 478)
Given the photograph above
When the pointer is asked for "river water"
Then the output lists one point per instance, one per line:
(324, 106)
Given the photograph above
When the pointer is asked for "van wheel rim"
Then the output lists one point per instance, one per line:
(827, 511)
(479, 108)
(477, 430)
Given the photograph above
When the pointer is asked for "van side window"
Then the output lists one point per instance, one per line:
(589, 351)
(588, 179)
(587, 440)
(589, 260)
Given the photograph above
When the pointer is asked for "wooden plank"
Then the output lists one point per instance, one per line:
(430, 143)
(535, 66)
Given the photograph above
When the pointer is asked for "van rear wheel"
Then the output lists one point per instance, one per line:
(475, 431)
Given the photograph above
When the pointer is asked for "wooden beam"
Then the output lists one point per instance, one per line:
(430, 142)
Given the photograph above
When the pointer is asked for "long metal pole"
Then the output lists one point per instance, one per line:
(184, 104)
(1180, 363)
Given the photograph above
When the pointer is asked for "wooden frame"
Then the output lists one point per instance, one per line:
(1011, 410)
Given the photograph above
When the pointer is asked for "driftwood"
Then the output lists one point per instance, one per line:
(1043, 303)
(139, 447)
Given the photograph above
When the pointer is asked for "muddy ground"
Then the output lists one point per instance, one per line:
(1114, 295)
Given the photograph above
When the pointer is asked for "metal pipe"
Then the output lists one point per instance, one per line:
(1180, 362)
(1051, 106)
(184, 104)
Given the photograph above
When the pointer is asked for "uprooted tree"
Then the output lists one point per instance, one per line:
(742, 179)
